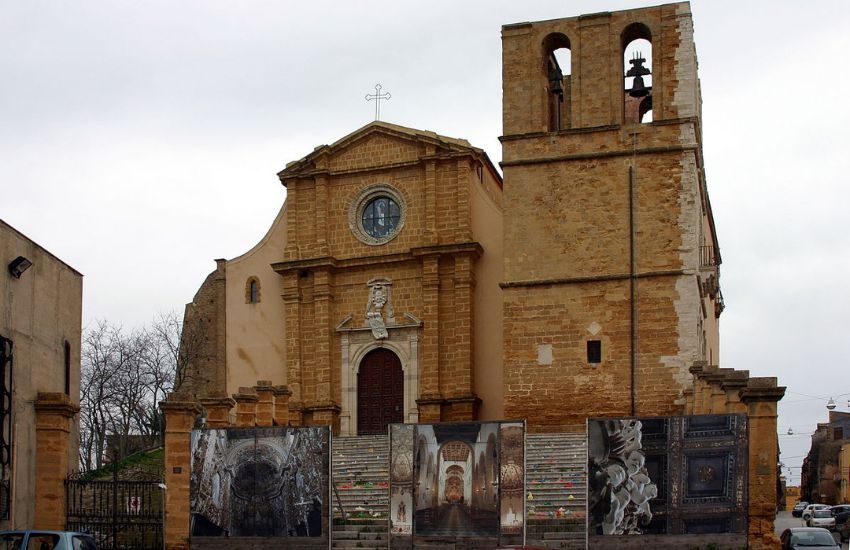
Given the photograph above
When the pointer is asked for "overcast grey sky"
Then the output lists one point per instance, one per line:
(140, 140)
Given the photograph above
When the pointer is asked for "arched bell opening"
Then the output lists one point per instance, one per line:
(637, 79)
(557, 67)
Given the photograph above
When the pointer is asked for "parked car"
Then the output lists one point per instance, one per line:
(807, 512)
(798, 508)
(46, 540)
(821, 518)
(808, 537)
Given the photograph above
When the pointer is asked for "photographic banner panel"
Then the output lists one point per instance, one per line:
(668, 479)
(459, 480)
(261, 482)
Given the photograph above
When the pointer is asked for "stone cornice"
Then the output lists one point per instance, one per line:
(332, 263)
(592, 278)
(55, 403)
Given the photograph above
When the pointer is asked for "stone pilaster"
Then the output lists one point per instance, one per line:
(246, 407)
(218, 407)
(54, 414)
(281, 405)
(760, 397)
(430, 401)
(265, 403)
(179, 421)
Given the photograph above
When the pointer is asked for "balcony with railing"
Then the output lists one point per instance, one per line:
(709, 256)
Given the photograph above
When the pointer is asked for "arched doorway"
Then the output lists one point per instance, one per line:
(380, 392)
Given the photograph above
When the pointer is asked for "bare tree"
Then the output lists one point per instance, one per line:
(124, 377)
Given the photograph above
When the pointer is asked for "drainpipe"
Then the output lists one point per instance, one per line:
(632, 290)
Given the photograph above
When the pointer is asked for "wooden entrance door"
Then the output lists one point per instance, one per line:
(380, 392)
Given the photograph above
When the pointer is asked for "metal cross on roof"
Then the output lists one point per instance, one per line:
(377, 97)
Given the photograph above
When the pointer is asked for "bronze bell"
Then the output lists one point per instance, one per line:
(555, 79)
(639, 89)
(638, 71)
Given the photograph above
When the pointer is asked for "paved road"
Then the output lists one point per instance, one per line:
(784, 520)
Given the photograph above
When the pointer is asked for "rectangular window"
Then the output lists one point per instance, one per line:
(838, 433)
(594, 351)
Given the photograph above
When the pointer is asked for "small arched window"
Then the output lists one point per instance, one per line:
(637, 67)
(557, 65)
(252, 291)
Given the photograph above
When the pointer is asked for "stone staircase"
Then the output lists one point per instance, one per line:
(555, 483)
(361, 476)
(555, 486)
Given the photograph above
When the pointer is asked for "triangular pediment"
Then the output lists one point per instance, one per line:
(376, 145)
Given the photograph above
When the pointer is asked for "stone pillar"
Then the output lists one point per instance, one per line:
(704, 397)
(218, 407)
(733, 385)
(246, 407)
(54, 413)
(697, 371)
(281, 405)
(760, 397)
(179, 421)
(265, 402)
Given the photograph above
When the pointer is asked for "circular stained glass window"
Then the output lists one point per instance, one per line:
(381, 217)
(376, 214)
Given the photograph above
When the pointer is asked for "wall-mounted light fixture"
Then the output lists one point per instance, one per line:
(18, 266)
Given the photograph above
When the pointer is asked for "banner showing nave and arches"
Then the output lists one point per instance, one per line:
(462, 480)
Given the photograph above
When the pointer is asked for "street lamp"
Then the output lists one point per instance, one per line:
(830, 404)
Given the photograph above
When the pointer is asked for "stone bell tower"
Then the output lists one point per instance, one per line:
(611, 261)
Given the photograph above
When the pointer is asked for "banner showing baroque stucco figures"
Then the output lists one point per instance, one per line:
(259, 482)
(667, 475)
(456, 480)
(401, 485)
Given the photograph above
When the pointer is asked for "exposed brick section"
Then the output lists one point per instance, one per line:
(202, 346)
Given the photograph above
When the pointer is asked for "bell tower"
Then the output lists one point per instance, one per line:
(610, 251)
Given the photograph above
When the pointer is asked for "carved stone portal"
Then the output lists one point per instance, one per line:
(378, 330)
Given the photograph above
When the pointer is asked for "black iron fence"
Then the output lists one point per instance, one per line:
(118, 514)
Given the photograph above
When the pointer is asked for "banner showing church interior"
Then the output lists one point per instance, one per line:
(668, 476)
(260, 482)
(456, 480)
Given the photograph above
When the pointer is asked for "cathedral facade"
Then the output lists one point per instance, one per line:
(407, 279)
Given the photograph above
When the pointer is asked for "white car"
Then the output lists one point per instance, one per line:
(807, 512)
(822, 518)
